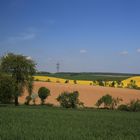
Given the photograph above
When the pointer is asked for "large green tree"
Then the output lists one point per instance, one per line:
(7, 89)
(21, 68)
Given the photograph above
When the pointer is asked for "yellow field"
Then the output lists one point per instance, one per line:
(82, 82)
(60, 80)
(136, 78)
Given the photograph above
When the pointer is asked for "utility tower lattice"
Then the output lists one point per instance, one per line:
(58, 67)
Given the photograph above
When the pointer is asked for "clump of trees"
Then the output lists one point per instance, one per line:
(21, 70)
(70, 100)
(108, 102)
(133, 106)
(43, 93)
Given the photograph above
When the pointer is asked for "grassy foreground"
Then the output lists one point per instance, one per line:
(42, 123)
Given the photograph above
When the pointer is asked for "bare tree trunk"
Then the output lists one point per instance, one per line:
(16, 101)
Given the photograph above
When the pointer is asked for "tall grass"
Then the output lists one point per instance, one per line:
(42, 123)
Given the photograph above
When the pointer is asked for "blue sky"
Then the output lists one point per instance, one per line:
(83, 35)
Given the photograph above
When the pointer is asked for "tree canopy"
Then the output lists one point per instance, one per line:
(21, 70)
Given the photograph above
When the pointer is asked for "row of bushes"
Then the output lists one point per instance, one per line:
(133, 106)
(108, 102)
(71, 100)
(66, 99)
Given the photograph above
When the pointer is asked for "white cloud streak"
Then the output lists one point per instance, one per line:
(83, 51)
(22, 37)
(138, 50)
(124, 53)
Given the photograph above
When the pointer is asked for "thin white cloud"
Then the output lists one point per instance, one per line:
(138, 50)
(83, 51)
(22, 37)
(124, 53)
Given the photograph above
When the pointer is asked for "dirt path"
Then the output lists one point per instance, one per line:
(88, 94)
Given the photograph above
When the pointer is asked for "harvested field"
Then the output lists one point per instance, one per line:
(88, 94)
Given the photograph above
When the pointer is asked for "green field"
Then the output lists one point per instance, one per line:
(44, 123)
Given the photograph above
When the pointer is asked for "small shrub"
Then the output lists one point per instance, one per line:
(112, 84)
(33, 97)
(134, 105)
(48, 80)
(99, 102)
(108, 101)
(69, 100)
(101, 83)
(132, 84)
(43, 93)
(74, 81)
(115, 102)
(67, 81)
(123, 107)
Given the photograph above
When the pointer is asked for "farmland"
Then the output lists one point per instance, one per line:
(87, 94)
(108, 79)
(135, 78)
(42, 123)
(88, 76)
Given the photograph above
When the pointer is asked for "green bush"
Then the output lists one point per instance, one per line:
(112, 84)
(43, 93)
(48, 80)
(67, 81)
(7, 89)
(99, 102)
(115, 102)
(108, 101)
(123, 107)
(134, 105)
(74, 81)
(101, 83)
(69, 100)
(34, 96)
